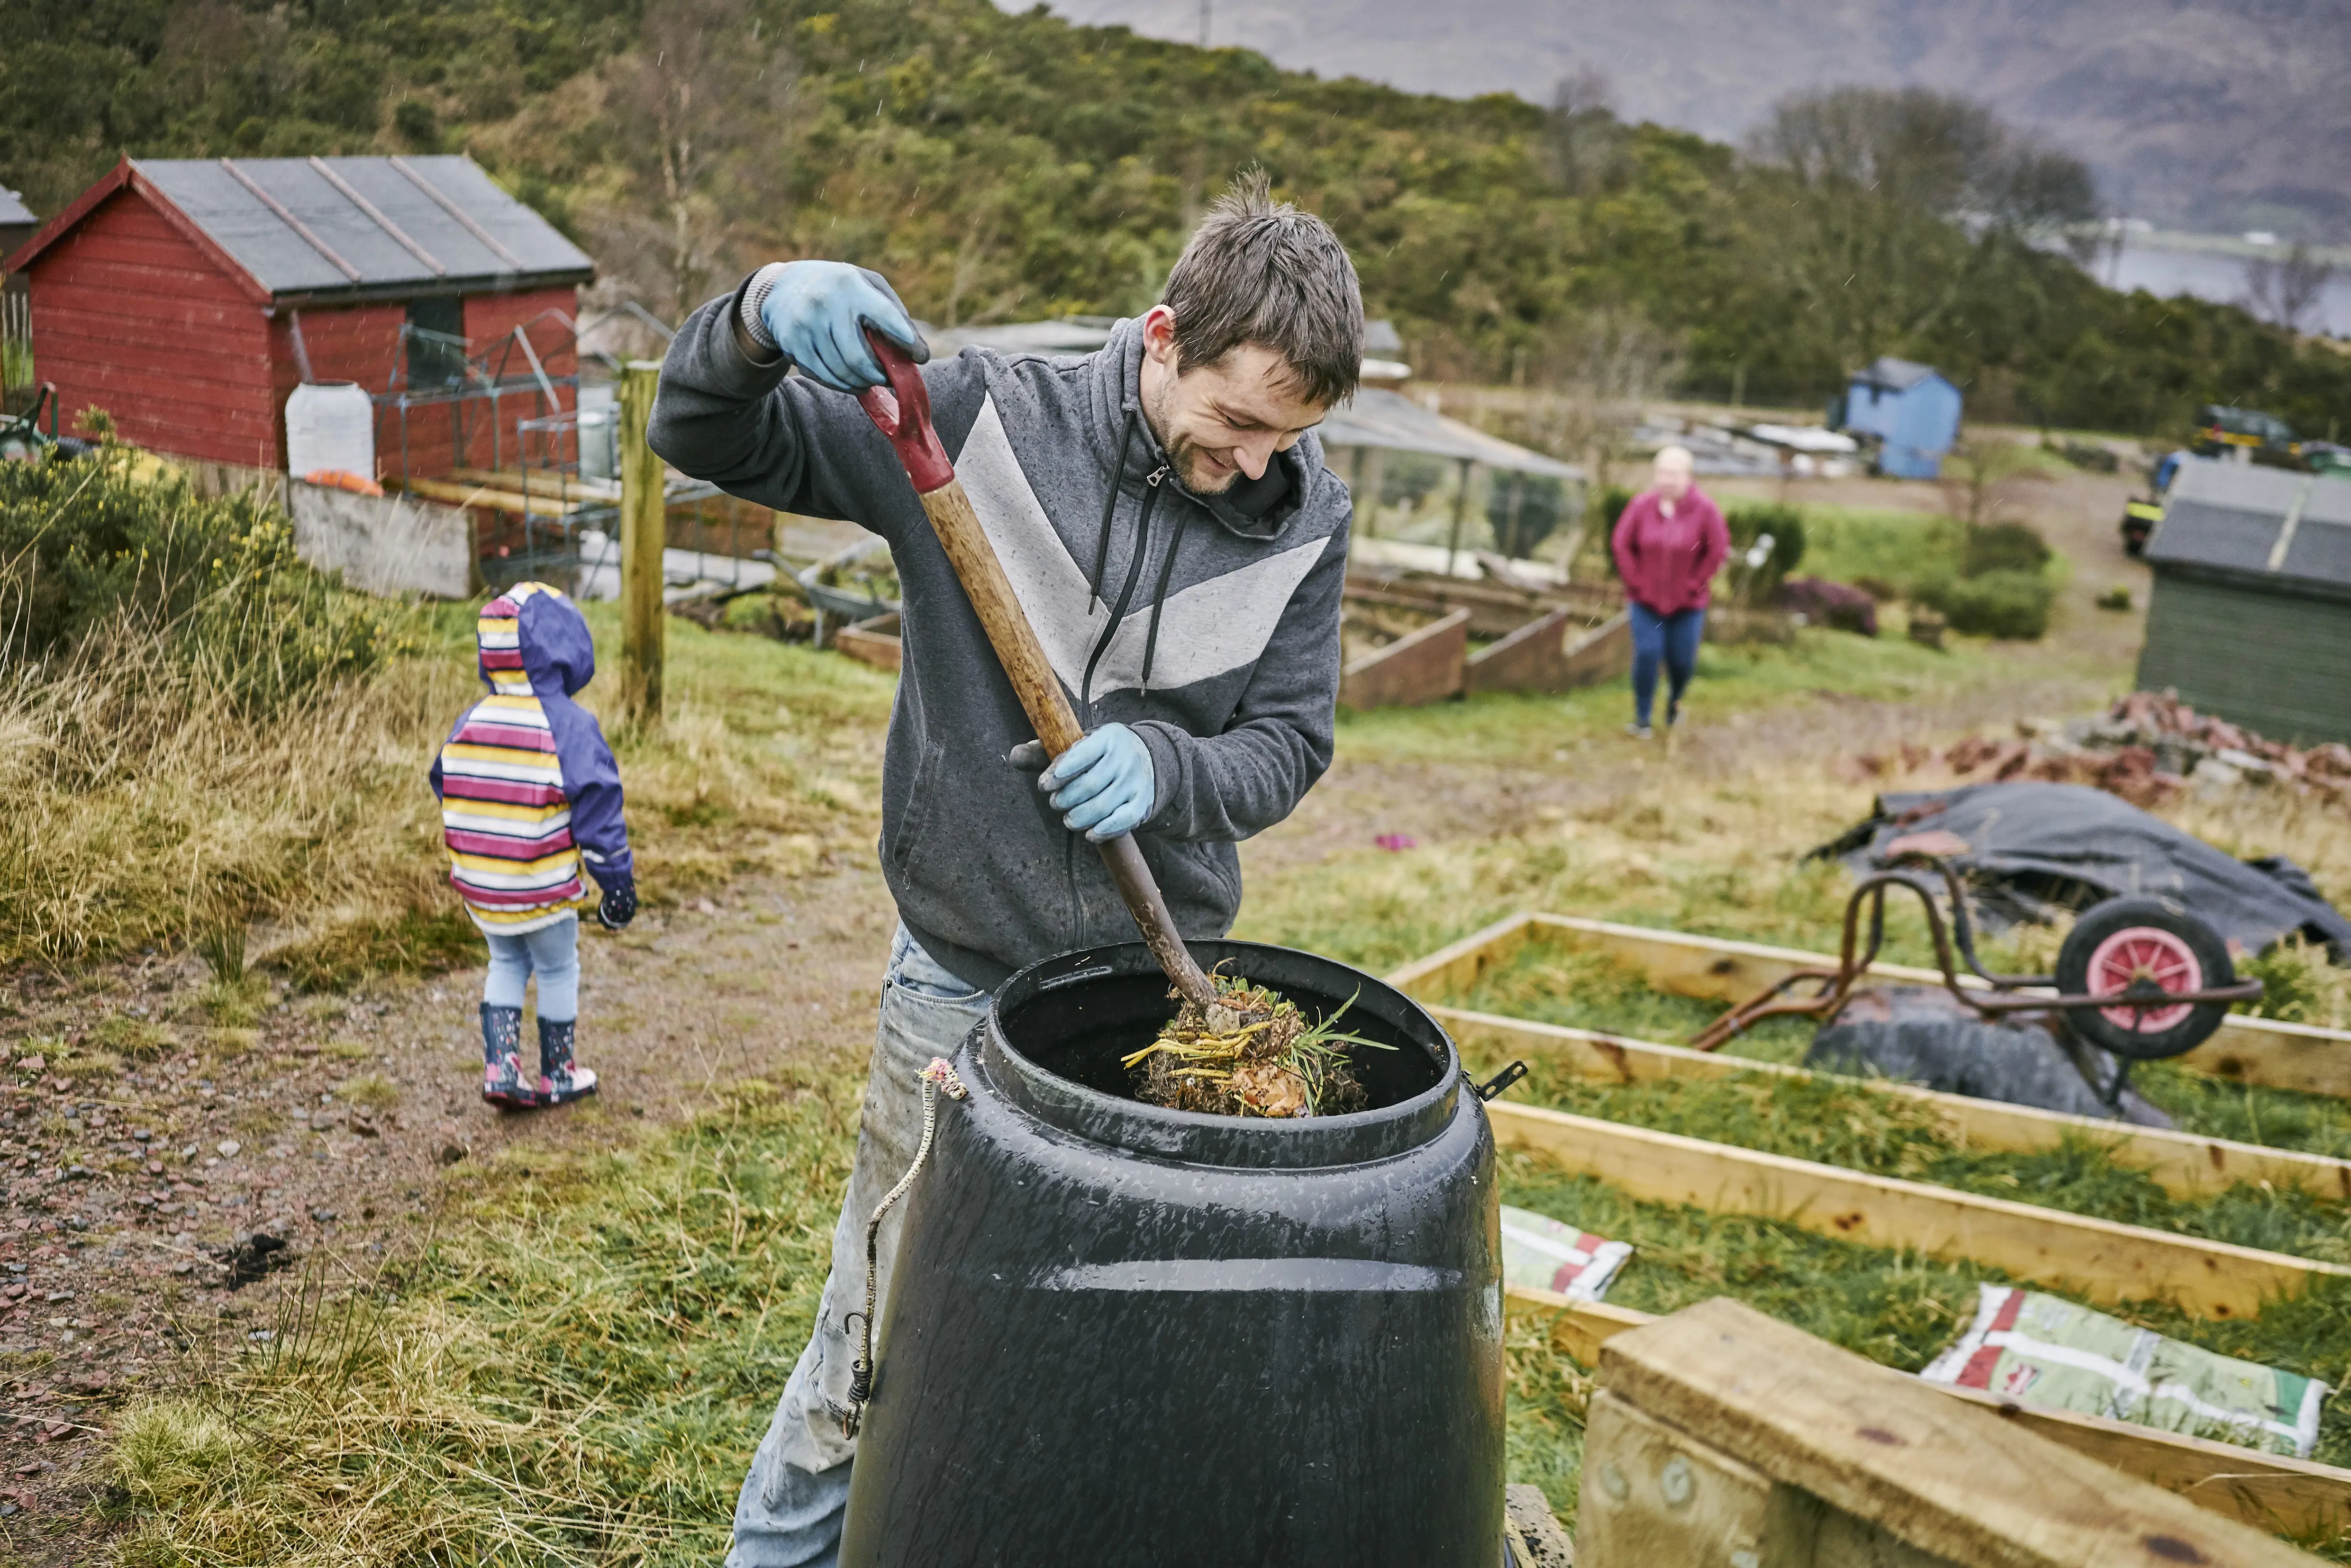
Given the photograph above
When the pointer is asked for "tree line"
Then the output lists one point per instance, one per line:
(1001, 166)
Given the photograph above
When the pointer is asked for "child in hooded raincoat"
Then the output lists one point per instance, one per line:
(529, 791)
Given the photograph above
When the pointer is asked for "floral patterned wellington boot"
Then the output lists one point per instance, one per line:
(501, 1079)
(559, 1079)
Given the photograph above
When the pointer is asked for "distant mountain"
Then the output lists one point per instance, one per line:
(2215, 114)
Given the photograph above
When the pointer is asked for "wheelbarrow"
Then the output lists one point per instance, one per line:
(2139, 977)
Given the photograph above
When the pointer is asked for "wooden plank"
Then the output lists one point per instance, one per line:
(2187, 1164)
(873, 641)
(1423, 667)
(2267, 1052)
(2268, 1491)
(1650, 1494)
(1941, 1476)
(2093, 1259)
(1602, 653)
(1453, 967)
(541, 503)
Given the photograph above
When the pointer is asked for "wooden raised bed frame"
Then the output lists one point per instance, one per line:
(1720, 1434)
(2045, 1244)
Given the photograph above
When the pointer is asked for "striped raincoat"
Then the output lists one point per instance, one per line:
(528, 790)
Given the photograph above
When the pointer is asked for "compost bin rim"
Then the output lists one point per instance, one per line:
(1197, 1137)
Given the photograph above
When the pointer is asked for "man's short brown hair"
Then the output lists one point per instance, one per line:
(1260, 271)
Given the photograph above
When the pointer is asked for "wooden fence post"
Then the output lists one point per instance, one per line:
(643, 535)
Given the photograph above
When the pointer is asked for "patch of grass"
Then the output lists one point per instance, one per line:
(371, 1092)
(664, 1293)
(237, 1004)
(418, 940)
(86, 1064)
(134, 1039)
(255, 1122)
(231, 1041)
(346, 1050)
(171, 1454)
(2300, 982)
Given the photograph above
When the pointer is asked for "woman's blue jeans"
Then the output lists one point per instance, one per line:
(1674, 639)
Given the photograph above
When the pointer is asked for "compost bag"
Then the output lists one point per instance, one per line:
(2030, 851)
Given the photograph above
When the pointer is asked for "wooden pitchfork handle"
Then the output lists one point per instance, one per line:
(902, 411)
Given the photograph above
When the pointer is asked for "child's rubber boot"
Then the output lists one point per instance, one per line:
(503, 1082)
(560, 1079)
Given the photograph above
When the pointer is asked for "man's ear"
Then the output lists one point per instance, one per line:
(1159, 335)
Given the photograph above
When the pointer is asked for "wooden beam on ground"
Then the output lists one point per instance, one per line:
(2268, 1491)
(644, 479)
(2093, 1259)
(1898, 1457)
(2182, 1163)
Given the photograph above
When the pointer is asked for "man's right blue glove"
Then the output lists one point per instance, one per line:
(816, 312)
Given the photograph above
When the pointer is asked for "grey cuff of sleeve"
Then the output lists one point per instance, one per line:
(1167, 768)
(755, 295)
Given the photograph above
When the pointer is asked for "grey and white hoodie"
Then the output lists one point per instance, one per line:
(1210, 625)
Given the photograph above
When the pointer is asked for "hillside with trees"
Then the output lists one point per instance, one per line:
(1000, 166)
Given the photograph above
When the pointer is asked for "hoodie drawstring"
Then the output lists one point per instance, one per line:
(1126, 590)
(1110, 505)
(1159, 596)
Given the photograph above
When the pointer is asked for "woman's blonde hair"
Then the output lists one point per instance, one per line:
(1676, 456)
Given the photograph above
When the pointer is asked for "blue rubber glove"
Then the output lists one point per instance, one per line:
(1103, 786)
(816, 312)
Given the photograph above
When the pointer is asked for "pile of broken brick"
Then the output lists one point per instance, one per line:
(2148, 747)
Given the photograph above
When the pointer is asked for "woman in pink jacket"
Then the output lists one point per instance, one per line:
(1668, 544)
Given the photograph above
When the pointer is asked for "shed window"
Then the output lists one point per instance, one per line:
(436, 342)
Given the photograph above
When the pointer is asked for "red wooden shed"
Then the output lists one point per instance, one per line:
(188, 297)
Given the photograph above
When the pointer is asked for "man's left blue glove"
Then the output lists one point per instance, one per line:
(1103, 786)
(817, 313)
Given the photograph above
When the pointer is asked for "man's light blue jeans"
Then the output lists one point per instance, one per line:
(791, 1510)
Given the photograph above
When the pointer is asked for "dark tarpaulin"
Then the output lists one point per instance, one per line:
(2034, 851)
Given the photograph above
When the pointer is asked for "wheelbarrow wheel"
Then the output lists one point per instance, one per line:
(2143, 949)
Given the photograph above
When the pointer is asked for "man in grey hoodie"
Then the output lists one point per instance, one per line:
(1162, 509)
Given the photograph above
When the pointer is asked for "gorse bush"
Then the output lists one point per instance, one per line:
(2007, 604)
(94, 563)
(2003, 546)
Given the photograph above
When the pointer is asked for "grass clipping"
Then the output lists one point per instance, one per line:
(1254, 1055)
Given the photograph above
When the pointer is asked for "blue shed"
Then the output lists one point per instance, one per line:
(1910, 408)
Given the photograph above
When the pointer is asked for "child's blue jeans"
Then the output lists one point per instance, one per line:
(1673, 639)
(552, 952)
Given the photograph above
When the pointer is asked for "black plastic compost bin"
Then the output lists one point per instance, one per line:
(1122, 1335)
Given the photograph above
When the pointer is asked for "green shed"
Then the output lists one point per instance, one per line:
(2251, 613)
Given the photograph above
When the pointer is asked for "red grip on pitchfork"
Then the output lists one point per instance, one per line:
(902, 410)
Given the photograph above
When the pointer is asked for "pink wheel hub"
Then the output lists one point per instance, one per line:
(2145, 952)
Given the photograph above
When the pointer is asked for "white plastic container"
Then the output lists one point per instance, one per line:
(599, 430)
(331, 428)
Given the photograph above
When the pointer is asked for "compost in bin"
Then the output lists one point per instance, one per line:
(1118, 1332)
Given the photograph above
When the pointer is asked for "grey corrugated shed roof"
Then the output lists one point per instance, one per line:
(13, 210)
(445, 250)
(1377, 417)
(1895, 375)
(2248, 519)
